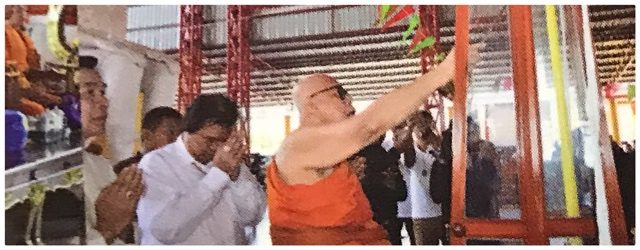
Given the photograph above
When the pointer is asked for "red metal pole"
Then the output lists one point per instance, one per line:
(425, 25)
(232, 44)
(239, 59)
(429, 21)
(424, 63)
(435, 31)
(191, 22)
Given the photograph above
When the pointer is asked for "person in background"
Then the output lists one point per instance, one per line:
(626, 174)
(160, 126)
(482, 175)
(427, 215)
(400, 148)
(440, 180)
(115, 208)
(19, 47)
(97, 168)
(21, 54)
(256, 166)
(626, 146)
(383, 185)
(483, 181)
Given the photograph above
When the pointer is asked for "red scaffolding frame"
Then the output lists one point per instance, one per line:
(190, 52)
(429, 21)
(239, 60)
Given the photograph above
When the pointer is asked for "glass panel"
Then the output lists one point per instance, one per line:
(490, 241)
(492, 172)
(587, 241)
(581, 143)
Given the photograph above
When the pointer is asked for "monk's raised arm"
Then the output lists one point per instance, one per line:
(326, 145)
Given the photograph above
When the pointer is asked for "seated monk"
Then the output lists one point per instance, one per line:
(16, 91)
(21, 52)
(313, 195)
(19, 47)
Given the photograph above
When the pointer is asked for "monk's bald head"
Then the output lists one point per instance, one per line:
(320, 99)
(309, 85)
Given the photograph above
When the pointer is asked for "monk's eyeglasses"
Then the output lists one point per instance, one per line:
(341, 92)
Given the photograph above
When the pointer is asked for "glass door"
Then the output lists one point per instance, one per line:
(525, 148)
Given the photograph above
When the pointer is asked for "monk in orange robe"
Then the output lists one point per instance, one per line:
(312, 194)
(21, 53)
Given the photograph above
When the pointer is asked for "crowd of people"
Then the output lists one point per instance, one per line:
(337, 179)
(193, 182)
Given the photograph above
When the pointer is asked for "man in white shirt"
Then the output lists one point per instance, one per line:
(427, 215)
(415, 165)
(111, 197)
(97, 172)
(116, 204)
(198, 192)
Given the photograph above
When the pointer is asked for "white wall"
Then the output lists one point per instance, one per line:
(109, 20)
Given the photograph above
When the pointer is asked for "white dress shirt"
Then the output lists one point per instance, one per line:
(189, 203)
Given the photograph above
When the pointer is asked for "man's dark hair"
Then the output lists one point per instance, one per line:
(153, 119)
(211, 109)
(89, 62)
(427, 115)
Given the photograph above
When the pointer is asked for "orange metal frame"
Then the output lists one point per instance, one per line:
(459, 134)
(534, 227)
(617, 225)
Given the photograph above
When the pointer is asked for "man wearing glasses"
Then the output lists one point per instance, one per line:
(198, 191)
(313, 195)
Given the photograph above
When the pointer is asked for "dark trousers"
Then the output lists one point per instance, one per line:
(393, 226)
(428, 231)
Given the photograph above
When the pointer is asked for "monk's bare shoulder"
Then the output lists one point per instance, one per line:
(293, 168)
(286, 153)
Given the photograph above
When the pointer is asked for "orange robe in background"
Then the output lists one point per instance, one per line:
(18, 48)
(30, 108)
(332, 211)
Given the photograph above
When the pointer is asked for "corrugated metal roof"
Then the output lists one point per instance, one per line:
(342, 41)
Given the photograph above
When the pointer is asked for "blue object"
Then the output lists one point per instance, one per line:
(71, 107)
(15, 138)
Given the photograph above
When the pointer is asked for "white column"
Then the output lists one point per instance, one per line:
(593, 128)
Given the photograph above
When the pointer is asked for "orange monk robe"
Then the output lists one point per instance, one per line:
(18, 47)
(332, 211)
(30, 108)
